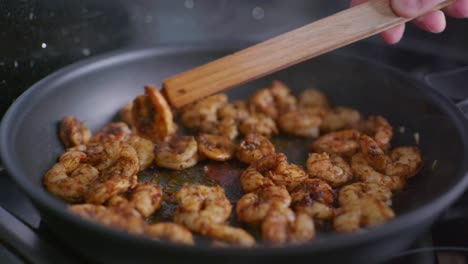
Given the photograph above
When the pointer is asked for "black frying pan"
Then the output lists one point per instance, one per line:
(95, 89)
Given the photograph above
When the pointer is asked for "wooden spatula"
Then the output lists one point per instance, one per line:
(283, 51)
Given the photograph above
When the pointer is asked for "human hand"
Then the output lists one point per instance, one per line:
(432, 21)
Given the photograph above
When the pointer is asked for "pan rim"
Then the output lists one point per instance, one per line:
(330, 242)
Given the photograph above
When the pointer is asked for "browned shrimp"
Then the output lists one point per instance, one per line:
(112, 132)
(202, 115)
(179, 153)
(315, 198)
(237, 110)
(145, 198)
(144, 149)
(230, 236)
(126, 114)
(359, 190)
(331, 168)
(252, 179)
(313, 98)
(303, 122)
(260, 124)
(284, 226)
(254, 147)
(343, 143)
(404, 162)
(379, 128)
(73, 132)
(170, 232)
(284, 100)
(216, 147)
(373, 153)
(340, 118)
(263, 102)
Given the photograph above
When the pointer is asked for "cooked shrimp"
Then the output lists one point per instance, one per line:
(404, 162)
(373, 153)
(254, 147)
(126, 114)
(315, 198)
(252, 208)
(251, 179)
(112, 132)
(112, 217)
(170, 232)
(215, 147)
(284, 226)
(201, 206)
(343, 143)
(260, 124)
(144, 149)
(331, 168)
(145, 198)
(379, 128)
(340, 118)
(179, 153)
(73, 132)
(152, 116)
(366, 173)
(365, 212)
(284, 100)
(285, 173)
(300, 123)
(228, 235)
(117, 177)
(71, 178)
(237, 110)
(203, 112)
(359, 190)
(313, 98)
(263, 102)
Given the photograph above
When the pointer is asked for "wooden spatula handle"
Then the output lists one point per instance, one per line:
(282, 51)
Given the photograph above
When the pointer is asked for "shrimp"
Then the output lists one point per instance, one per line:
(300, 123)
(343, 143)
(331, 168)
(170, 232)
(379, 128)
(145, 198)
(260, 124)
(315, 198)
(177, 154)
(252, 208)
(251, 179)
(284, 100)
(125, 114)
(365, 212)
(71, 178)
(359, 190)
(117, 177)
(237, 110)
(340, 118)
(366, 173)
(228, 235)
(152, 116)
(284, 226)
(144, 149)
(112, 217)
(254, 147)
(373, 153)
(404, 162)
(73, 132)
(203, 113)
(215, 147)
(201, 206)
(112, 132)
(263, 102)
(313, 98)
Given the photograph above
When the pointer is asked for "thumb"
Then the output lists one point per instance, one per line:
(413, 8)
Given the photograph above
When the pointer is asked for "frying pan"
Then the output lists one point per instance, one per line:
(95, 89)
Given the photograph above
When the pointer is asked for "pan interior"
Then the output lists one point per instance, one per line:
(95, 93)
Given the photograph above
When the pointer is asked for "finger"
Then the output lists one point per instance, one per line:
(357, 2)
(434, 21)
(459, 9)
(413, 8)
(393, 35)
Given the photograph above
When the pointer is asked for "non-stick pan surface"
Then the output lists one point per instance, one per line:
(95, 89)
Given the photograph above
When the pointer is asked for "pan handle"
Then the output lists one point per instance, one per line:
(454, 84)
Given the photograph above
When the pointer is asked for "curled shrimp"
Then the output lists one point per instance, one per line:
(263, 102)
(118, 131)
(252, 179)
(359, 190)
(71, 178)
(342, 143)
(254, 147)
(125, 114)
(119, 176)
(378, 128)
(373, 153)
(404, 162)
(216, 147)
(315, 198)
(73, 132)
(201, 206)
(226, 235)
(152, 115)
(340, 118)
(144, 149)
(145, 198)
(201, 115)
(302, 123)
(170, 232)
(331, 168)
(252, 208)
(179, 153)
(366, 173)
(284, 100)
(260, 124)
(313, 98)
(237, 110)
(284, 226)
(365, 212)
